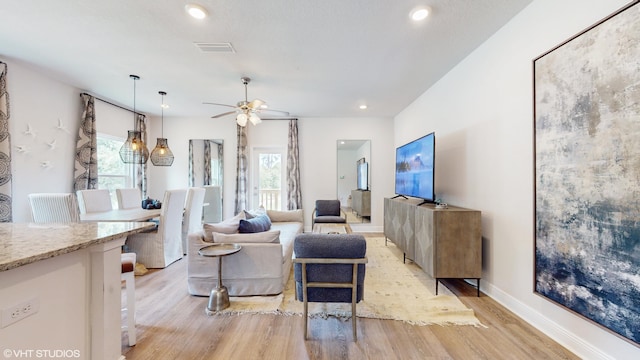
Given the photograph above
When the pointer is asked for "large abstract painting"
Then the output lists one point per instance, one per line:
(587, 173)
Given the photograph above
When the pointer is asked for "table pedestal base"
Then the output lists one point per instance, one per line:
(218, 300)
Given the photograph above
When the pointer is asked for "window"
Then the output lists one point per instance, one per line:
(112, 172)
(268, 181)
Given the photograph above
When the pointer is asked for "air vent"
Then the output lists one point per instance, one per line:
(224, 47)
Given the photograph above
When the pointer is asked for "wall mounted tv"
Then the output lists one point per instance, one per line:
(363, 176)
(415, 168)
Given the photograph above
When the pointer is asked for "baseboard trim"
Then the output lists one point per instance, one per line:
(566, 338)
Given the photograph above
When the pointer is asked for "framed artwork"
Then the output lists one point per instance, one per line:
(587, 173)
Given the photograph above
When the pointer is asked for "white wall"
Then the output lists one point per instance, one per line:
(318, 157)
(482, 114)
(38, 101)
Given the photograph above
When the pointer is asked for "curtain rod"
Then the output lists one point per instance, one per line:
(112, 104)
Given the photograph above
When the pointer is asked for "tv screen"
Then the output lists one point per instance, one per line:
(363, 176)
(415, 168)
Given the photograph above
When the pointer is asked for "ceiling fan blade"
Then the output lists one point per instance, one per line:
(223, 114)
(278, 111)
(256, 104)
(210, 103)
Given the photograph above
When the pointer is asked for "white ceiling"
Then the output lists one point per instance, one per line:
(318, 58)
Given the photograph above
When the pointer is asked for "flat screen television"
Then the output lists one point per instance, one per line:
(415, 168)
(363, 176)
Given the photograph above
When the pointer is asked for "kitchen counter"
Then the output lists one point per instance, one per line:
(60, 288)
(22, 244)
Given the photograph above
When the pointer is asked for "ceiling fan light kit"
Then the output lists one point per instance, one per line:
(246, 111)
(134, 150)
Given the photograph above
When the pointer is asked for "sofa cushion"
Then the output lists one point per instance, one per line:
(229, 226)
(257, 224)
(272, 236)
(285, 216)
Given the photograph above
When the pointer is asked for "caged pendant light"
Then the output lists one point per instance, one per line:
(134, 150)
(161, 154)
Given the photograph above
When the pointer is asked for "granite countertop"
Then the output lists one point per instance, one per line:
(25, 243)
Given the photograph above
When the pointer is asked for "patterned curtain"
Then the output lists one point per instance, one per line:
(5, 149)
(220, 166)
(86, 164)
(294, 193)
(192, 173)
(241, 174)
(207, 163)
(140, 171)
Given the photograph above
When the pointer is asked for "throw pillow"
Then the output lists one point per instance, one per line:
(272, 236)
(229, 226)
(250, 214)
(285, 216)
(257, 224)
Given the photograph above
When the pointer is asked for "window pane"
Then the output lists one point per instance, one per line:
(112, 172)
(270, 175)
(109, 162)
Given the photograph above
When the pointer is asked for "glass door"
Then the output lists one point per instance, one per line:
(268, 181)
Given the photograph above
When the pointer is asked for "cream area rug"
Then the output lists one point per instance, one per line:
(393, 290)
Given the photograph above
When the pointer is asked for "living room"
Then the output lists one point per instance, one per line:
(481, 112)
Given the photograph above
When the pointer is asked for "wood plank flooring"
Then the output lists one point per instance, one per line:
(171, 324)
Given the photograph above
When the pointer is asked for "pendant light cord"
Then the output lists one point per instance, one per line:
(162, 107)
(135, 115)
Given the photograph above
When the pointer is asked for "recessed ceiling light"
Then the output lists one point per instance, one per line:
(196, 11)
(362, 107)
(420, 13)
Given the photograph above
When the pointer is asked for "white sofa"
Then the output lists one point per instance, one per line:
(263, 265)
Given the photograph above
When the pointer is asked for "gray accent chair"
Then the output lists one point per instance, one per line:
(330, 268)
(328, 211)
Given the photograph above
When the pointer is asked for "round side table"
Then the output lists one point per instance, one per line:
(219, 298)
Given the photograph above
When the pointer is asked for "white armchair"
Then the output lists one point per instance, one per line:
(192, 214)
(129, 198)
(94, 200)
(54, 208)
(163, 247)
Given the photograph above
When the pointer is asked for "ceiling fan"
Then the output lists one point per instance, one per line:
(246, 110)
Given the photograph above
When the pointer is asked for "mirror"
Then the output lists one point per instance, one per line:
(206, 170)
(354, 179)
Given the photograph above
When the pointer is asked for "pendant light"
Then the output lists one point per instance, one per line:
(134, 150)
(161, 154)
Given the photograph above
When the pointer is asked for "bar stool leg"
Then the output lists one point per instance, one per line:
(128, 276)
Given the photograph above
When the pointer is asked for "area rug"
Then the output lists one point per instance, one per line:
(393, 290)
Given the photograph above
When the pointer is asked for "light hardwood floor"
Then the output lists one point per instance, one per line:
(171, 324)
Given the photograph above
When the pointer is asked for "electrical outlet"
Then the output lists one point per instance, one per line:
(19, 311)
